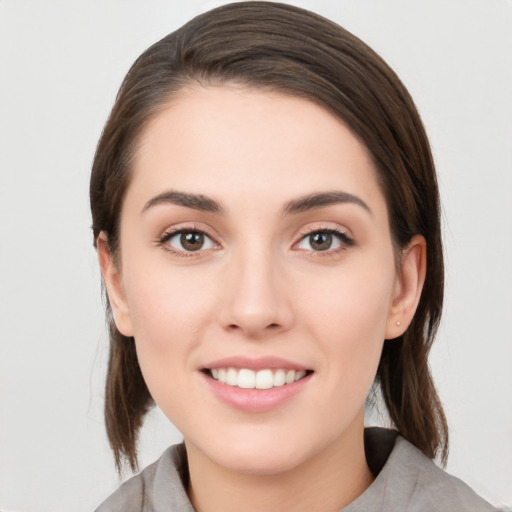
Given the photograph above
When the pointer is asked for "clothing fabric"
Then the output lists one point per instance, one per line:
(406, 480)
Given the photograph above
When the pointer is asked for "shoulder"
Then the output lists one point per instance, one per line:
(131, 494)
(410, 481)
(157, 488)
(431, 488)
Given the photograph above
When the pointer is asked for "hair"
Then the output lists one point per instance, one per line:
(285, 49)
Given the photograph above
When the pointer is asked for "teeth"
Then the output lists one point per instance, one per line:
(299, 375)
(262, 379)
(246, 379)
(231, 377)
(279, 378)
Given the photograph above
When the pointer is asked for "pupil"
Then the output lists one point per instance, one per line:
(192, 241)
(320, 241)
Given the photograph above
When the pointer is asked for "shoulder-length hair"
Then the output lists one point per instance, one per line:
(289, 50)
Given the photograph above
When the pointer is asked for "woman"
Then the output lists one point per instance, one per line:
(266, 215)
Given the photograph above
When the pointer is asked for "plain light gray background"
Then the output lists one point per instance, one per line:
(61, 63)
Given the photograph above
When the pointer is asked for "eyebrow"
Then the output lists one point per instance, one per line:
(302, 204)
(321, 199)
(194, 201)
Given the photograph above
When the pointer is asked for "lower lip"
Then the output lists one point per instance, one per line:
(255, 400)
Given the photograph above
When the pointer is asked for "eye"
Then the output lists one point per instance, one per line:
(188, 240)
(324, 240)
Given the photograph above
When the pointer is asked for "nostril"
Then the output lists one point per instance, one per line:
(235, 327)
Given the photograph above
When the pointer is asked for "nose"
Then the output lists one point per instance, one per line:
(255, 296)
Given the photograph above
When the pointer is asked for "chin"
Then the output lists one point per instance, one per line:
(267, 462)
(256, 452)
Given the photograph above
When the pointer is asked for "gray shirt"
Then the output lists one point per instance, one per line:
(405, 480)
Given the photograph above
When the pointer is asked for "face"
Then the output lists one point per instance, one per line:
(257, 276)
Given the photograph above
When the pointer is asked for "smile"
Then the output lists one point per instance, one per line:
(245, 378)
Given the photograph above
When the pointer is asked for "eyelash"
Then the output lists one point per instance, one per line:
(169, 235)
(345, 241)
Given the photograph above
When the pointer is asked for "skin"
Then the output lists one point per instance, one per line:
(258, 287)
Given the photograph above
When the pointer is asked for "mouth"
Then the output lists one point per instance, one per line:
(256, 384)
(245, 378)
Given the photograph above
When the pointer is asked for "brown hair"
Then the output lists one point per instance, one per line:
(289, 50)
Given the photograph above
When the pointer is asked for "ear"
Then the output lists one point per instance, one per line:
(409, 284)
(114, 285)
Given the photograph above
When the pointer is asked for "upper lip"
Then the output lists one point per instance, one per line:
(255, 363)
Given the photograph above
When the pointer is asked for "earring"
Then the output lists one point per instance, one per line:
(398, 323)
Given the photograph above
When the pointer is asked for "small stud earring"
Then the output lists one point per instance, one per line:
(398, 323)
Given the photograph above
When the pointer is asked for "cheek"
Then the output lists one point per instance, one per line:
(355, 301)
(165, 301)
(160, 307)
(347, 316)
(168, 310)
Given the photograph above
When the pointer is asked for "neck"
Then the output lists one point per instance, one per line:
(328, 481)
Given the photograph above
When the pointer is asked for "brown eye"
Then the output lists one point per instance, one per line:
(192, 241)
(320, 241)
(325, 240)
(188, 241)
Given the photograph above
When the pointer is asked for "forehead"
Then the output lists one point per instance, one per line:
(234, 141)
